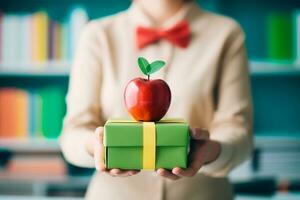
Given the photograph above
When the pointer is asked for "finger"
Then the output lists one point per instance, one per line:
(184, 173)
(134, 172)
(99, 150)
(122, 173)
(199, 134)
(177, 171)
(115, 172)
(167, 174)
(99, 158)
(127, 172)
(99, 133)
(189, 172)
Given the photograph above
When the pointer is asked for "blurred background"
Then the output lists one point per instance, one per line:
(37, 40)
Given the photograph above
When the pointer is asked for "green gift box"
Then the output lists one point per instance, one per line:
(146, 145)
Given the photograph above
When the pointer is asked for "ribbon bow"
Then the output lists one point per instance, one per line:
(179, 35)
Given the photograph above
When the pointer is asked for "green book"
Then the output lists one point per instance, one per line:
(280, 36)
(52, 111)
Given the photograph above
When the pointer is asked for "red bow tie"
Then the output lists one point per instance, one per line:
(178, 35)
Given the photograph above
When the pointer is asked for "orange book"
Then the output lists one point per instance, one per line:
(8, 113)
(22, 104)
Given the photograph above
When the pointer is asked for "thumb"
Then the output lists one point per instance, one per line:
(99, 149)
(99, 133)
(199, 134)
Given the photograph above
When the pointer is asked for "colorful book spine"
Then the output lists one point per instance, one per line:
(34, 114)
(22, 103)
(31, 114)
(280, 36)
(53, 110)
(66, 41)
(34, 39)
(40, 37)
(1, 29)
(26, 40)
(297, 36)
(6, 40)
(2, 40)
(51, 45)
(78, 18)
(58, 42)
(8, 113)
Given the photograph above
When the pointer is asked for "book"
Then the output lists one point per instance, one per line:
(28, 40)
(21, 109)
(31, 114)
(34, 114)
(15, 37)
(1, 28)
(5, 44)
(12, 39)
(53, 110)
(280, 36)
(65, 30)
(78, 18)
(8, 114)
(58, 40)
(55, 40)
(297, 35)
(40, 37)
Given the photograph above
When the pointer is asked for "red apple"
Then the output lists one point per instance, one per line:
(146, 99)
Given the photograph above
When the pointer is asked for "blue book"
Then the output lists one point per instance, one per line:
(34, 117)
(32, 114)
(297, 36)
(78, 18)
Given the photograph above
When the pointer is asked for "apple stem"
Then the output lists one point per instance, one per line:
(148, 77)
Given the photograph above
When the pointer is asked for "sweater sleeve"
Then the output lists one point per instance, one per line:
(232, 119)
(83, 104)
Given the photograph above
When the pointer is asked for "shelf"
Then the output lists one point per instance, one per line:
(273, 68)
(50, 69)
(30, 145)
(274, 141)
(35, 73)
(61, 69)
(30, 197)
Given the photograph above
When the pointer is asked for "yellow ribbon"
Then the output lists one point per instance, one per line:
(149, 145)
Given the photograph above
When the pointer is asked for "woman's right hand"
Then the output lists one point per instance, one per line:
(97, 151)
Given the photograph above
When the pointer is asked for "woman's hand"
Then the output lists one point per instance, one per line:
(95, 147)
(202, 151)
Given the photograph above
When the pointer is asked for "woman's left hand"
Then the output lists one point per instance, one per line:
(202, 151)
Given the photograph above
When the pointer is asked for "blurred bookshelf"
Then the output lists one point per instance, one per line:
(272, 37)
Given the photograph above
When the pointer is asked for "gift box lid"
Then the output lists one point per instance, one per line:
(130, 133)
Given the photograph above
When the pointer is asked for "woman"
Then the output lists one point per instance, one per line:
(208, 76)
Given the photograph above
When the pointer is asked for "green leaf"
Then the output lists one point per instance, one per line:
(144, 65)
(156, 65)
(148, 69)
